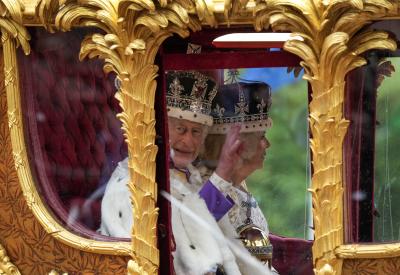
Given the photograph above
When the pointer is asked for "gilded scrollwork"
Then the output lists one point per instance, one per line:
(368, 251)
(6, 266)
(32, 247)
(332, 41)
(333, 38)
(11, 22)
(20, 157)
(133, 32)
(54, 272)
(372, 266)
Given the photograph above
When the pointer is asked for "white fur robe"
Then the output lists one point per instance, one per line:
(200, 243)
(194, 226)
(116, 208)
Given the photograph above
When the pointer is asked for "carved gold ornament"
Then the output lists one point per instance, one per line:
(333, 40)
(26, 179)
(6, 266)
(134, 31)
(131, 34)
(11, 22)
(54, 272)
(387, 266)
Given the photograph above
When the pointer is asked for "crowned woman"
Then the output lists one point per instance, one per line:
(246, 104)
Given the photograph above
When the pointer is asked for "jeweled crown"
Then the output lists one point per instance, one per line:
(245, 102)
(189, 96)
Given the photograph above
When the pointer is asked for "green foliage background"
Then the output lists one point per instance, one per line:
(280, 188)
(387, 166)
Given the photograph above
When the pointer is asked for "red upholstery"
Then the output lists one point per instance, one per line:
(75, 138)
(291, 256)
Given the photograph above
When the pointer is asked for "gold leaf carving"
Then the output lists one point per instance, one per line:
(135, 269)
(30, 199)
(7, 267)
(11, 23)
(363, 251)
(12, 119)
(332, 41)
(9, 77)
(19, 162)
(54, 272)
(386, 266)
(33, 249)
(46, 11)
(134, 30)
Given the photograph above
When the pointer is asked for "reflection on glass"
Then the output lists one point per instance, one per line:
(285, 176)
(211, 167)
(387, 172)
(75, 139)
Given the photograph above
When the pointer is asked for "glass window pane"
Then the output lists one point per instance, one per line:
(74, 138)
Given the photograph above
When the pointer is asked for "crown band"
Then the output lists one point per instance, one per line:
(247, 126)
(191, 116)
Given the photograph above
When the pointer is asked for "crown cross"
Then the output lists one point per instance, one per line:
(176, 87)
(249, 203)
(232, 76)
(241, 108)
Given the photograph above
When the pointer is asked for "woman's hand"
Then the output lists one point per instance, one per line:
(230, 153)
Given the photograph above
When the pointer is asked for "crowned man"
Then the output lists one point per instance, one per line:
(196, 205)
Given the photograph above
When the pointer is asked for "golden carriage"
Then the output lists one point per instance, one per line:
(126, 35)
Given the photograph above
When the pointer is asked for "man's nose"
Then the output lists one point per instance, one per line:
(187, 138)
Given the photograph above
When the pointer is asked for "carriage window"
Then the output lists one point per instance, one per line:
(284, 172)
(371, 146)
(241, 133)
(387, 172)
(74, 138)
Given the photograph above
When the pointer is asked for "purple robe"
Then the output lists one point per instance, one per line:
(217, 203)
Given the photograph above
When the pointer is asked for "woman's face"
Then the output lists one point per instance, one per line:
(254, 149)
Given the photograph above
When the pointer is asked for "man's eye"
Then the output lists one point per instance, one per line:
(196, 132)
(180, 130)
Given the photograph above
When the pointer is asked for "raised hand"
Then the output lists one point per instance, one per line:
(230, 153)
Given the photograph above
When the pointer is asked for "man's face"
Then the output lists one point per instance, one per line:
(185, 140)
